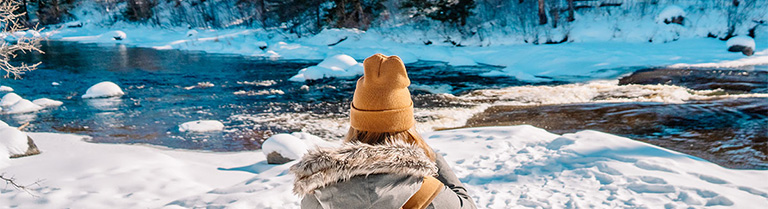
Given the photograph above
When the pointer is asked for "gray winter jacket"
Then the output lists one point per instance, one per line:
(359, 175)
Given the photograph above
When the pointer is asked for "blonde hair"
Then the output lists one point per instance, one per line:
(376, 138)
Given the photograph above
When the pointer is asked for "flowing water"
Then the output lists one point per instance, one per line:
(254, 100)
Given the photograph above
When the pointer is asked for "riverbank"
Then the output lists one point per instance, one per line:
(502, 167)
(578, 61)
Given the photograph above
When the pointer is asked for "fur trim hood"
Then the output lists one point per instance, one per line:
(325, 166)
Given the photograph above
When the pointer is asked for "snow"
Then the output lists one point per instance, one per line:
(6, 88)
(670, 12)
(9, 99)
(103, 89)
(759, 58)
(741, 41)
(114, 36)
(286, 145)
(23, 106)
(340, 65)
(192, 33)
(45, 102)
(502, 167)
(201, 126)
(3, 124)
(12, 142)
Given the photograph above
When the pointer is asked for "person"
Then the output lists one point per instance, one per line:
(384, 163)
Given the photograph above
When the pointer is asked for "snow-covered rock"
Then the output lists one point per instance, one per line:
(743, 44)
(282, 148)
(74, 24)
(114, 35)
(340, 66)
(45, 102)
(6, 88)
(23, 106)
(262, 45)
(9, 99)
(671, 14)
(201, 126)
(192, 33)
(103, 89)
(13, 141)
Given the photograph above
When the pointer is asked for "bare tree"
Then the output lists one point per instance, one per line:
(13, 42)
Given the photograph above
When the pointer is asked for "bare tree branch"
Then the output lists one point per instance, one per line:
(11, 24)
(12, 181)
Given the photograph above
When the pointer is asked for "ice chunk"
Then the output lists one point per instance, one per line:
(288, 146)
(103, 89)
(201, 126)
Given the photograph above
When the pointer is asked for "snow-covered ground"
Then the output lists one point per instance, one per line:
(577, 61)
(503, 167)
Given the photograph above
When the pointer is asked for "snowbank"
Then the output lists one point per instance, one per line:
(3, 124)
(340, 65)
(9, 99)
(103, 89)
(288, 146)
(23, 106)
(201, 126)
(758, 58)
(6, 88)
(502, 167)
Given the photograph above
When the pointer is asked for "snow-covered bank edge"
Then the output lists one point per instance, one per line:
(577, 61)
(503, 167)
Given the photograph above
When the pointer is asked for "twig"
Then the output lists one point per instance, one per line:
(12, 181)
(23, 126)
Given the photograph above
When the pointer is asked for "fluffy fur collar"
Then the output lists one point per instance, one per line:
(325, 166)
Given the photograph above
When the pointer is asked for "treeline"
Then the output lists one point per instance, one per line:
(471, 18)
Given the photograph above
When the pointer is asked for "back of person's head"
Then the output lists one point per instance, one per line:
(382, 109)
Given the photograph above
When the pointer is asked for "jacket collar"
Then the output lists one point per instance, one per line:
(325, 166)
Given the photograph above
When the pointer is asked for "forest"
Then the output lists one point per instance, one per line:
(536, 21)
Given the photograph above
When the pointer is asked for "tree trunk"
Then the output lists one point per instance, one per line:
(341, 11)
(263, 13)
(571, 18)
(361, 20)
(542, 13)
(555, 16)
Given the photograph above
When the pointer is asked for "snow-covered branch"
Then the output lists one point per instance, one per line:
(13, 41)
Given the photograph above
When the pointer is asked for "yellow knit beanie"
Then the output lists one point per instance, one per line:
(382, 102)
